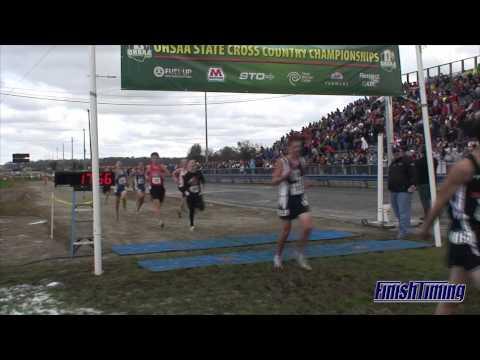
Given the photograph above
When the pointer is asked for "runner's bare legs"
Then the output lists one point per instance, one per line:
(458, 275)
(107, 195)
(117, 206)
(286, 228)
(124, 200)
(156, 210)
(140, 199)
(307, 226)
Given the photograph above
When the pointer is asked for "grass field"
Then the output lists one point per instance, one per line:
(5, 184)
(337, 285)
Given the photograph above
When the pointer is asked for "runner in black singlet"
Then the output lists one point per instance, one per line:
(292, 202)
(121, 181)
(107, 189)
(192, 182)
(461, 190)
(178, 179)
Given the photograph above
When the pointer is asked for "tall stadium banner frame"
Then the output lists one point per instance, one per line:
(428, 143)
(361, 70)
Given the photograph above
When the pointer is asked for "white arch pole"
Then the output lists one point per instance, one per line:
(97, 216)
(428, 142)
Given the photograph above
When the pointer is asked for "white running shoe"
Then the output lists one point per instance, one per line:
(161, 223)
(303, 262)
(277, 262)
(192, 228)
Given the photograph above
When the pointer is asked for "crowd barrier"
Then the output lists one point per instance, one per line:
(367, 181)
(451, 68)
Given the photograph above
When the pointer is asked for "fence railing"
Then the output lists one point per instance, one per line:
(451, 68)
(370, 169)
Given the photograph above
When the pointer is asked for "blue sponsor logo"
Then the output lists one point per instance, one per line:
(418, 292)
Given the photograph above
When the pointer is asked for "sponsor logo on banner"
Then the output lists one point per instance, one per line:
(387, 60)
(216, 74)
(369, 80)
(172, 72)
(336, 79)
(296, 77)
(139, 52)
(336, 76)
(255, 76)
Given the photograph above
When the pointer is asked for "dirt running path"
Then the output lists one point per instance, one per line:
(30, 202)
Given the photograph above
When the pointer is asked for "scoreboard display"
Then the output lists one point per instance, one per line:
(21, 158)
(82, 180)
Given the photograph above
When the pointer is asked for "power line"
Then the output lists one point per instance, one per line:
(71, 100)
(37, 63)
(66, 92)
(47, 92)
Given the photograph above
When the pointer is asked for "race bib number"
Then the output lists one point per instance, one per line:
(195, 189)
(122, 181)
(156, 180)
(140, 181)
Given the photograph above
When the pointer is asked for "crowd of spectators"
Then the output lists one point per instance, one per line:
(349, 136)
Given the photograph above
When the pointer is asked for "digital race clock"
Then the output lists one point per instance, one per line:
(82, 179)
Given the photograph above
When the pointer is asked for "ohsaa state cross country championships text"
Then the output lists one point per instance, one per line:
(271, 52)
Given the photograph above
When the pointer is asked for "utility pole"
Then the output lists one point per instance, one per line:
(84, 150)
(206, 131)
(63, 151)
(72, 150)
(57, 152)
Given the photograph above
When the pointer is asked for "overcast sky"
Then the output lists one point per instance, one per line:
(40, 127)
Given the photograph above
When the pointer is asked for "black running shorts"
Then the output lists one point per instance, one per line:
(462, 255)
(195, 201)
(182, 192)
(157, 193)
(296, 206)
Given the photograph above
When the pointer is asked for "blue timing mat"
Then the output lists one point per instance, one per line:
(233, 241)
(248, 257)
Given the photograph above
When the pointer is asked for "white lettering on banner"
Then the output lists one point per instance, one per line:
(255, 76)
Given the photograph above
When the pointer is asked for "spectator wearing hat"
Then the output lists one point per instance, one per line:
(401, 184)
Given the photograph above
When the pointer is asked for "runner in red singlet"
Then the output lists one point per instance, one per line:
(155, 176)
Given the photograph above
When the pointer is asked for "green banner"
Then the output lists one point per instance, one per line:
(274, 69)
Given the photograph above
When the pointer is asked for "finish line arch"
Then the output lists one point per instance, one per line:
(358, 70)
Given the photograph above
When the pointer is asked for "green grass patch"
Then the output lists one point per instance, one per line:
(337, 285)
(6, 183)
